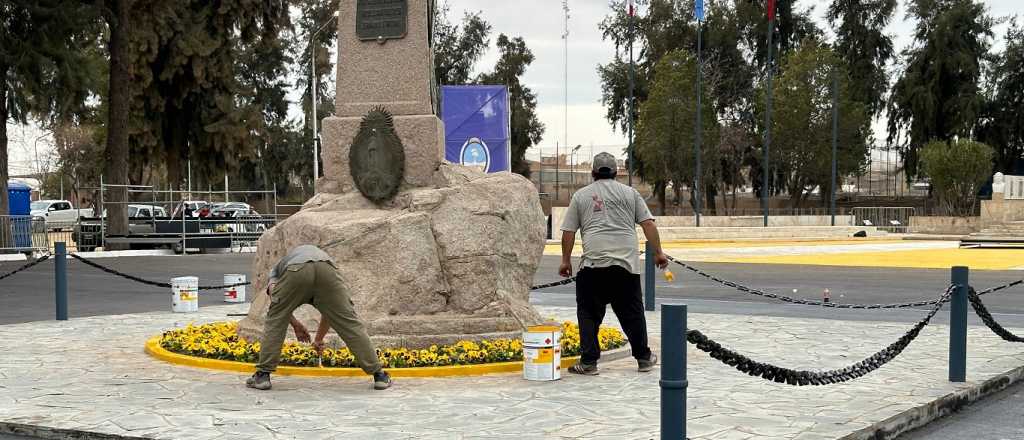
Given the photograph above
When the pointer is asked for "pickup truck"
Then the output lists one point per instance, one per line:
(58, 214)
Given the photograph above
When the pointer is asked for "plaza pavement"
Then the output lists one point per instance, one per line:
(91, 375)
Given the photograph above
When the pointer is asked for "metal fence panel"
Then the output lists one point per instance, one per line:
(890, 219)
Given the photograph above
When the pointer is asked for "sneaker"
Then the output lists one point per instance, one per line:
(259, 381)
(381, 380)
(584, 369)
(647, 365)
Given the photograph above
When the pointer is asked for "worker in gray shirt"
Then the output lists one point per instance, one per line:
(307, 275)
(606, 213)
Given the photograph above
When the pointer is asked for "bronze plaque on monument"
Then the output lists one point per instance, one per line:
(381, 19)
(377, 157)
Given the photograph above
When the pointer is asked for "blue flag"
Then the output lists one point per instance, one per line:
(477, 126)
(698, 10)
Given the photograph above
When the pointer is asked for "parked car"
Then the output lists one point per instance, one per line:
(232, 210)
(192, 208)
(58, 213)
(146, 211)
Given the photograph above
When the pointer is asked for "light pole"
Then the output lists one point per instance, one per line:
(572, 158)
(313, 98)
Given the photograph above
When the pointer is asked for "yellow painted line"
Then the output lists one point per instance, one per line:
(154, 349)
(554, 249)
(979, 259)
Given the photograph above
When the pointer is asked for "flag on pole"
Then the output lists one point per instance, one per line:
(631, 4)
(771, 10)
(698, 10)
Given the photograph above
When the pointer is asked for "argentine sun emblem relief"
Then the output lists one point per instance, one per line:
(377, 158)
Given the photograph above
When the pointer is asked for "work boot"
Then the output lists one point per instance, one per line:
(381, 380)
(647, 365)
(259, 381)
(585, 369)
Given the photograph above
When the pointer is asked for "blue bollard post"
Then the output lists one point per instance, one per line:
(650, 271)
(673, 372)
(958, 326)
(60, 266)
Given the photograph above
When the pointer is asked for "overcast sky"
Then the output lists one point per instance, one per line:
(541, 23)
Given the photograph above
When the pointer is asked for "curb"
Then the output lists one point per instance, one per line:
(57, 433)
(154, 349)
(920, 416)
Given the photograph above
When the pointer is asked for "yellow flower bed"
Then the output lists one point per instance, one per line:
(221, 341)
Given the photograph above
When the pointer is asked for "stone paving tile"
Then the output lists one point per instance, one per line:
(91, 374)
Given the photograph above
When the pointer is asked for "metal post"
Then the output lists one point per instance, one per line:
(557, 160)
(958, 326)
(103, 218)
(649, 276)
(60, 269)
(835, 140)
(768, 122)
(312, 104)
(699, 128)
(629, 106)
(673, 372)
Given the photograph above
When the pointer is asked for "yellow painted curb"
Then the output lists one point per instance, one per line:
(154, 349)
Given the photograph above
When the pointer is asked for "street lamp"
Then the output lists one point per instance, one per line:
(313, 98)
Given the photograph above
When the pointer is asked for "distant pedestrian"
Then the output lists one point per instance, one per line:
(307, 275)
(606, 213)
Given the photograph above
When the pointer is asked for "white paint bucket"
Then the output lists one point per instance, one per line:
(185, 294)
(234, 294)
(542, 353)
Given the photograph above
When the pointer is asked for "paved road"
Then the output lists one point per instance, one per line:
(28, 296)
(999, 417)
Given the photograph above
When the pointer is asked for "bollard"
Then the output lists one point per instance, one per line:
(60, 273)
(650, 272)
(958, 325)
(673, 372)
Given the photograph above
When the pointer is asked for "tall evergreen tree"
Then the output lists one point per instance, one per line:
(1002, 124)
(44, 73)
(862, 41)
(458, 47)
(937, 96)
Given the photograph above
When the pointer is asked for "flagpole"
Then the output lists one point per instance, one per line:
(629, 108)
(768, 116)
(699, 129)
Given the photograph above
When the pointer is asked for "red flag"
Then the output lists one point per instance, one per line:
(771, 10)
(632, 8)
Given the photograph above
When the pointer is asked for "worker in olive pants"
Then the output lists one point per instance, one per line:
(308, 276)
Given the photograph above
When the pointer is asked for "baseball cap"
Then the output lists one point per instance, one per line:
(605, 161)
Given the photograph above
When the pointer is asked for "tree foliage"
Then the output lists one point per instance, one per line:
(458, 47)
(937, 96)
(861, 41)
(802, 123)
(957, 171)
(1002, 124)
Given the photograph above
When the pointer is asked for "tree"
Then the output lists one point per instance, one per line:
(957, 170)
(313, 16)
(457, 48)
(802, 124)
(937, 96)
(1002, 124)
(862, 41)
(666, 132)
(43, 74)
(527, 130)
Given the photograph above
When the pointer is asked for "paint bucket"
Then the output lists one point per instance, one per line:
(185, 294)
(234, 294)
(542, 353)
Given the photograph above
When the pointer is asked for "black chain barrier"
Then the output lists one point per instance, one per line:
(805, 302)
(143, 280)
(26, 267)
(804, 377)
(556, 283)
(1002, 287)
(990, 322)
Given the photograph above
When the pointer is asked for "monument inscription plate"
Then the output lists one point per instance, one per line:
(381, 19)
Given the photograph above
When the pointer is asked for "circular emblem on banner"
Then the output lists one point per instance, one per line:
(475, 154)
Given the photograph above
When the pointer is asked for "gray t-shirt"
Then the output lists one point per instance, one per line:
(606, 213)
(301, 254)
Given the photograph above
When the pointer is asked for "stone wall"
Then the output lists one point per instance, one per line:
(945, 225)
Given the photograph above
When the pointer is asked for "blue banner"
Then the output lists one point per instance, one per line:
(477, 126)
(698, 10)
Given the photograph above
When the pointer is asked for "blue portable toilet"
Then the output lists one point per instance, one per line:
(19, 208)
(20, 196)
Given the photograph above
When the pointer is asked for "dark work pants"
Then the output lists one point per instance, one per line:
(595, 289)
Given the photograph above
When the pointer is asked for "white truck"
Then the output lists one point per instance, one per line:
(58, 214)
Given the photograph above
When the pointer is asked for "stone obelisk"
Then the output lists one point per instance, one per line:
(384, 60)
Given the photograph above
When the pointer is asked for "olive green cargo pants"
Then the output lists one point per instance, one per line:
(317, 283)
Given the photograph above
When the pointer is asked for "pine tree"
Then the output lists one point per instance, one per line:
(862, 41)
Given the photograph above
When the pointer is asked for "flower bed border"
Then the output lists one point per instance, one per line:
(154, 349)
